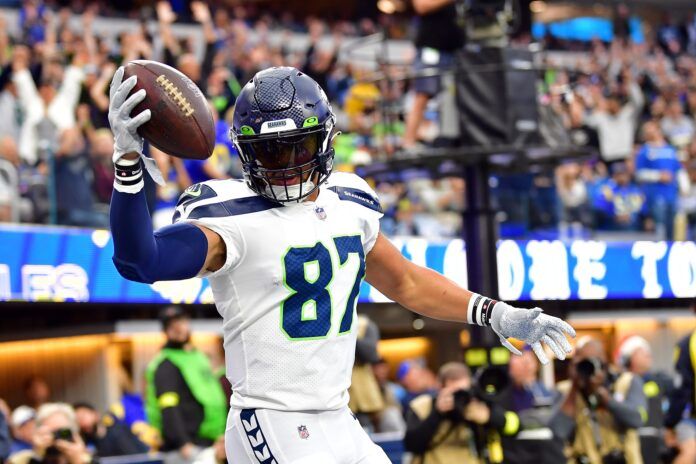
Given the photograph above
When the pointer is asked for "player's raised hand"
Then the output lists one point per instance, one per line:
(124, 127)
(533, 327)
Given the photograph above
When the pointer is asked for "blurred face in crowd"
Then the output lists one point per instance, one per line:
(55, 422)
(47, 92)
(675, 110)
(103, 144)
(523, 369)
(613, 104)
(37, 392)
(622, 177)
(87, 420)
(651, 132)
(381, 371)
(179, 331)
(658, 107)
(641, 361)
(691, 97)
(25, 431)
(416, 379)
(462, 382)
(188, 64)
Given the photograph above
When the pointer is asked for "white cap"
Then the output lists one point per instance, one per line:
(630, 346)
(22, 415)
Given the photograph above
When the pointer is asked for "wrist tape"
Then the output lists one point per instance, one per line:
(479, 310)
(128, 175)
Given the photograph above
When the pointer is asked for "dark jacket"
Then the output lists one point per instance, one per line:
(682, 396)
(5, 441)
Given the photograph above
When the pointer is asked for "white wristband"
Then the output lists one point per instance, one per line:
(128, 176)
(479, 310)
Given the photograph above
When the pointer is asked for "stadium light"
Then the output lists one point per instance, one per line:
(390, 6)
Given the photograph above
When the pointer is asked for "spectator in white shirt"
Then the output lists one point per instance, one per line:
(616, 123)
(52, 104)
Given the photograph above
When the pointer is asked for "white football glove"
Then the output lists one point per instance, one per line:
(532, 327)
(125, 127)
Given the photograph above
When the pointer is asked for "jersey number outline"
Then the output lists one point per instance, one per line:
(314, 289)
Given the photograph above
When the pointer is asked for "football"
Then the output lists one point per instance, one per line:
(182, 122)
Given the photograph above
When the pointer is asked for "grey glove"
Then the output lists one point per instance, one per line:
(124, 127)
(532, 327)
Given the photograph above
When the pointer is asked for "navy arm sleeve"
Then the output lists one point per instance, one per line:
(174, 252)
(683, 394)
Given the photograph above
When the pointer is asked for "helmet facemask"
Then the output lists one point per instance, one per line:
(287, 166)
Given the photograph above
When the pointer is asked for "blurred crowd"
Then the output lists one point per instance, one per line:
(633, 104)
(608, 404)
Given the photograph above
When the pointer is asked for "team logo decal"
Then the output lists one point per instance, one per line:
(303, 432)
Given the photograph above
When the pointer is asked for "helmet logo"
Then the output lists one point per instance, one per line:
(280, 125)
(311, 121)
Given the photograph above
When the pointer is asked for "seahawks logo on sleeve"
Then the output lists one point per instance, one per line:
(191, 195)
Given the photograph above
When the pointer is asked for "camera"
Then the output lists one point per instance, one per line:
(485, 386)
(63, 434)
(587, 368)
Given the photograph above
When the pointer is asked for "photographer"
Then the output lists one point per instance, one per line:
(56, 439)
(456, 425)
(598, 413)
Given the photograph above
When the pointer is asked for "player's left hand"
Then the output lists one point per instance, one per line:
(533, 327)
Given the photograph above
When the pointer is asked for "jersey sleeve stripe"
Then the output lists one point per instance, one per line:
(357, 196)
(233, 207)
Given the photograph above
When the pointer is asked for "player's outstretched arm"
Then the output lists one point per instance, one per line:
(431, 294)
(175, 252)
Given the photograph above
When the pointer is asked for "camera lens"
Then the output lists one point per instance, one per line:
(588, 367)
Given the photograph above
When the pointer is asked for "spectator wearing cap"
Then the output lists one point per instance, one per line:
(184, 400)
(620, 204)
(657, 170)
(56, 439)
(415, 379)
(22, 424)
(634, 355)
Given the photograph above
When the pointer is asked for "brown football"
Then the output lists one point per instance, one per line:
(182, 123)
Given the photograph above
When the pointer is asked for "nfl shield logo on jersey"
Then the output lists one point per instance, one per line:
(320, 212)
(304, 433)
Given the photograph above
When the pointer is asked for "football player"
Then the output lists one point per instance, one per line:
(285, 251)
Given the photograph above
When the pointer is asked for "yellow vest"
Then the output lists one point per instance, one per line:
(692, 353)
(453, 443)
(612, 438)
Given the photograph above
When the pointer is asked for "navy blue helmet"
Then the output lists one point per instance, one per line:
(282, 127)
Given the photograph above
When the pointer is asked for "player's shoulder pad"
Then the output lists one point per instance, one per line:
(351, 187)
(219, 198)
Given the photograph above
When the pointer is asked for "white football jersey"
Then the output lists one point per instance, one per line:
(288, 289)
